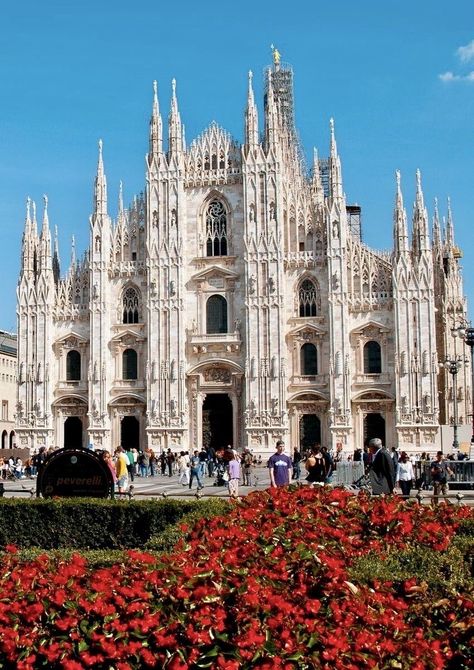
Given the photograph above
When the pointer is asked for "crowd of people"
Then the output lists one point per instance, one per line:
(385, 470)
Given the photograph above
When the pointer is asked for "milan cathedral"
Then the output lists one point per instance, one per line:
(234, 302)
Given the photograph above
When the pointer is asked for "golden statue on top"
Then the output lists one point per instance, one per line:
(276, 55)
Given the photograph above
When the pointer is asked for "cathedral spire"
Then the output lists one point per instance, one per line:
(175, 144)
(56, 264)
(100, 189)
(436, 226)
(420, 240)
(400, 231)
(449, 227)
(251, 117)
(73, 253)
(335, 172)
(45, 239)
(316, 182)
(34, 224)
(271, 114)
(120, 198)
(156, 126)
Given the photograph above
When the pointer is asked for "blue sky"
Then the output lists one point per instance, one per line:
(395, 75)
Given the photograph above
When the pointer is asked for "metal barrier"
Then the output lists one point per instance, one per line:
(347, 473)
(461, 479)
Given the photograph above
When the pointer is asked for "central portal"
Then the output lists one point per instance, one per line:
(130, 433)
(217, 421)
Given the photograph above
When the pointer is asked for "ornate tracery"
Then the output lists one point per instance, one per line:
(216, 229)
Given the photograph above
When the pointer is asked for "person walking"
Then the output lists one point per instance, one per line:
(280, 466)
(247, 464)
(195, 463)
(296, 464)
(233, 468)
(405, 474)
(316, 467)
(183, 468)
(439, 470)
(121, 469)
(382, 472)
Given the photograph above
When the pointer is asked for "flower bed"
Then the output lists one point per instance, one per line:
(269, 585)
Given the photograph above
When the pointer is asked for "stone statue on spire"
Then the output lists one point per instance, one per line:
(276, 56)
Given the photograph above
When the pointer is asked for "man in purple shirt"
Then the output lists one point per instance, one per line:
(280, 466)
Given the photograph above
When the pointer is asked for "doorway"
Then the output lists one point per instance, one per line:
(374, 426)
(130, 433)
(73, 432)
(217, 421)
(310, 431)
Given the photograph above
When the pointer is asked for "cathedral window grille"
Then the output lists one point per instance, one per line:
(130, 306)
(216, 229)
(73, 366)
(216, 314)
(130, 364)
(372, 358)
(309, 359)
(307, 298)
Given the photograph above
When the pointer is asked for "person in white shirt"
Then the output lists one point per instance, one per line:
(405, 474)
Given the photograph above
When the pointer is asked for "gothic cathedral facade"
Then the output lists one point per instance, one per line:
(234, 302)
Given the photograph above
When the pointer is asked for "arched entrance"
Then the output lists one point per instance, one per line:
(73, 432)
(374, 426)
(217, 421)
(130, 432)
(310, 431)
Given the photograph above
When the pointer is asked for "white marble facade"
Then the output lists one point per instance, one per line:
(233, 303)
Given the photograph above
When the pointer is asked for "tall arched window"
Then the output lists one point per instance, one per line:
(73, 366)
(216, 229)
(130, 305)
(307, 298)
(372, 358)
(216, 314)
(309, 359)
(130, 364)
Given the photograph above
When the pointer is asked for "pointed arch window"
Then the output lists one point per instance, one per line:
(216, 229)
(131, 305)
(216, 314)
(307, 298)
(309, 359)
(372, 358)
(73, 366)
(130, 364)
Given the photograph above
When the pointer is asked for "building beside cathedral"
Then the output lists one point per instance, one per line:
(234, 302)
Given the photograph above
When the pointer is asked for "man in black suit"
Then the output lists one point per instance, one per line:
(382, 471)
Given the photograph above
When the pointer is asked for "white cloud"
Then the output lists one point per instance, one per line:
(466, 53)
(448, 77)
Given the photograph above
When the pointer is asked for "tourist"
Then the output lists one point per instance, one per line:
(143, 463)
(382, 473)
(169, 462)
(194, 464)
(247, 463)
(316, 467)
(131, 464)
(405, 474)
(183, 468)
(202, 462)
(439, 470)
(296, 464)
(329, 462)
(107, 458)
(233, 469)
(153, 462)
(280, 466)
(121, 470)
(163, 463)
